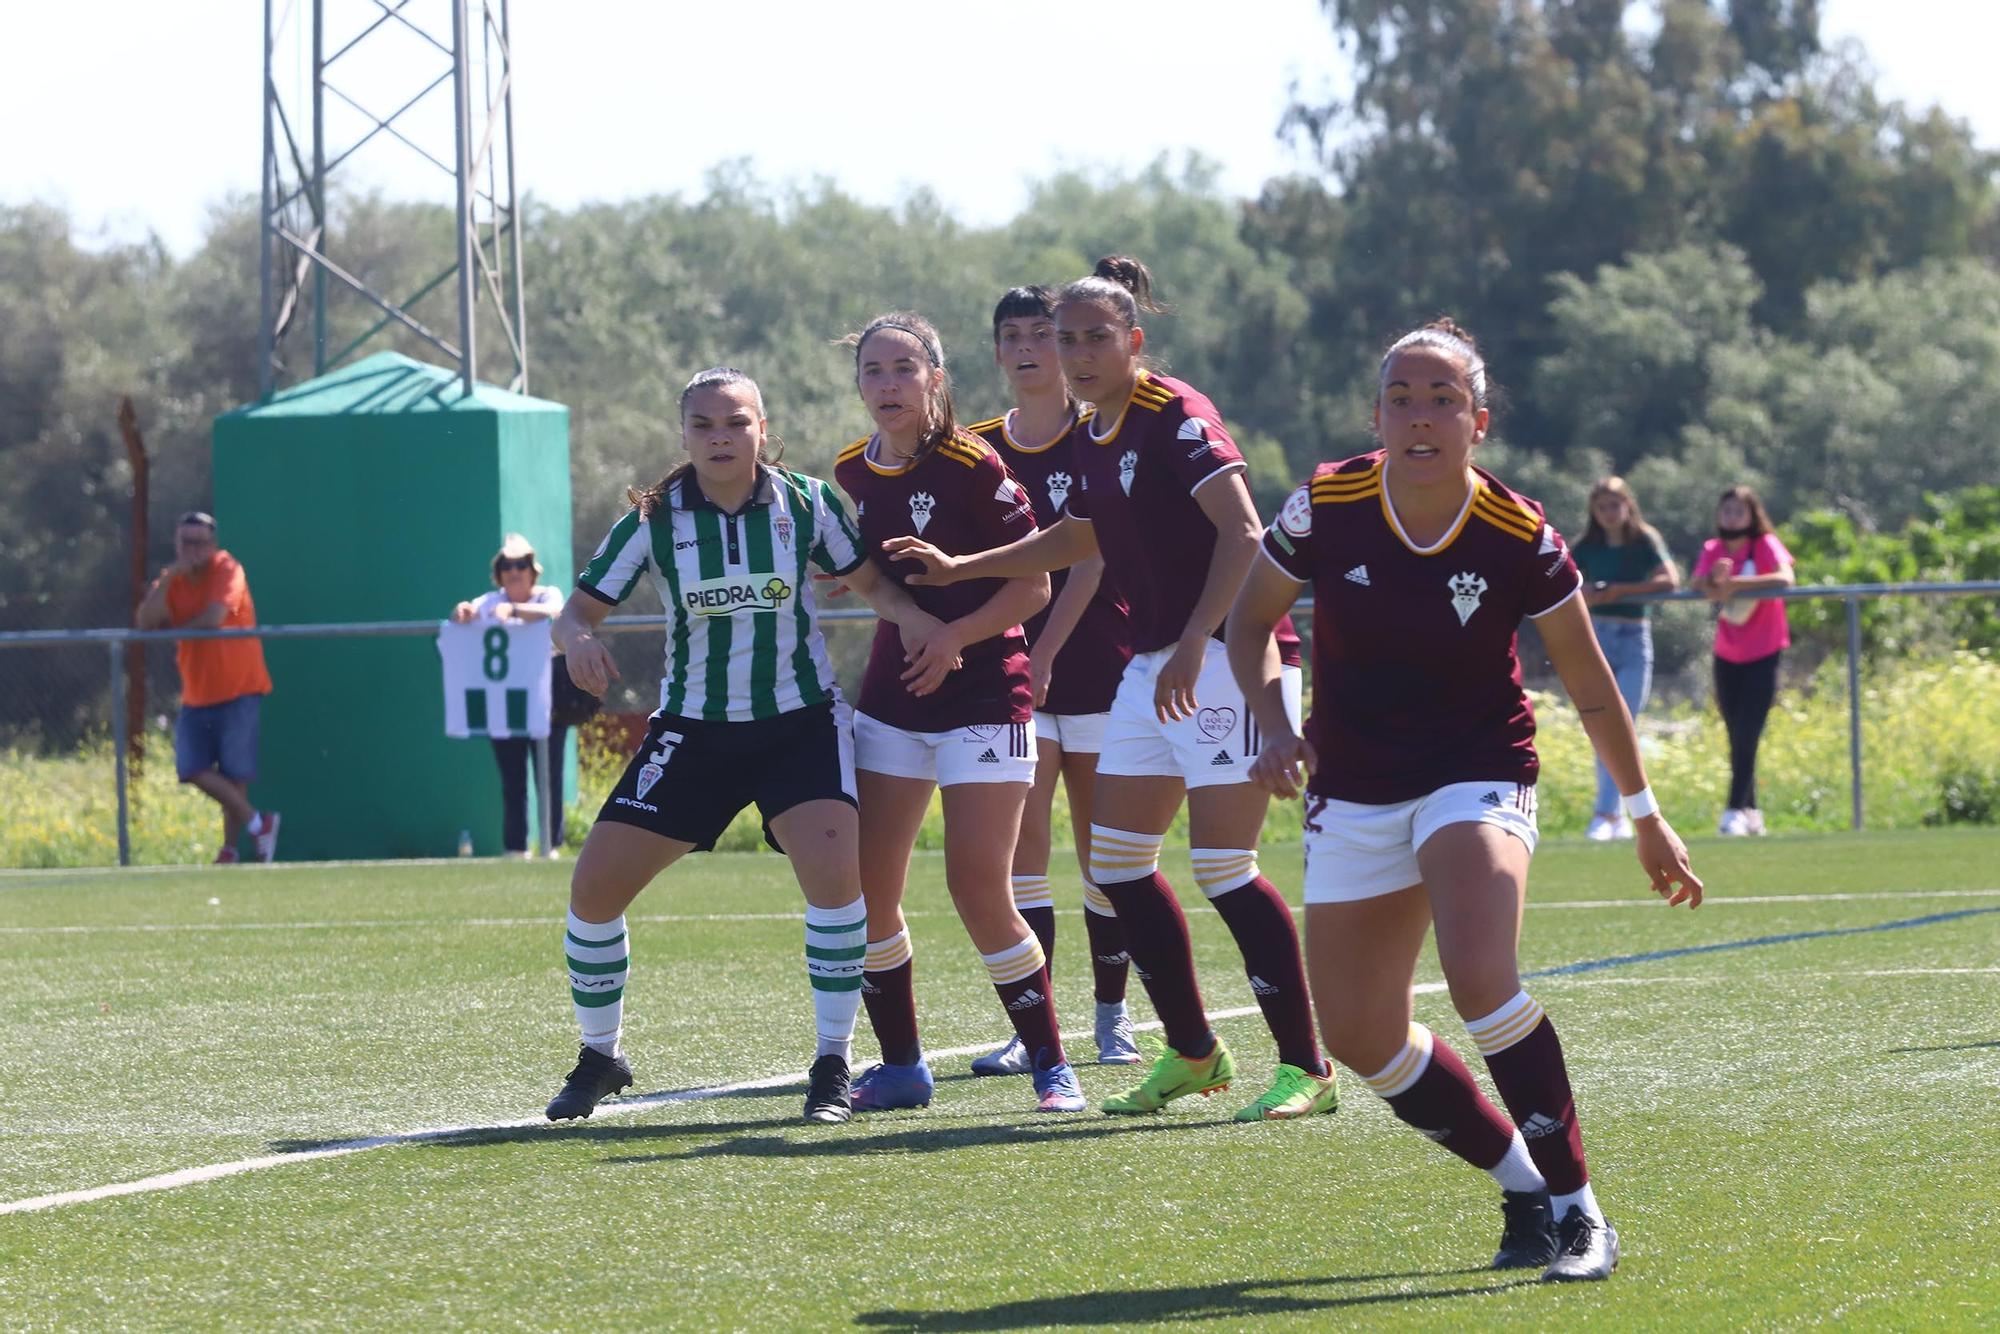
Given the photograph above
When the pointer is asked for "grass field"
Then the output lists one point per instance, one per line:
(1792, 1121)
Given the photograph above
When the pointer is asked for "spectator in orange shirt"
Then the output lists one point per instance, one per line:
(222, 680)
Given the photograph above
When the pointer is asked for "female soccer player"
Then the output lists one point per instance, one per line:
(1421, 805)
(749, 712)
(1160, 492)
(973, 736)
(1077, 650)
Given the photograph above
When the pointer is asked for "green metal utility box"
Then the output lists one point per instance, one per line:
(379, 492)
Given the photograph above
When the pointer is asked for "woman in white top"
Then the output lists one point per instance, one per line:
(517, 598)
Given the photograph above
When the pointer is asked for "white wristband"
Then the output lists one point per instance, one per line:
(1642, 804)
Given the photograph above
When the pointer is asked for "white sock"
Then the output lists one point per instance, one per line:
(836, 941)
(1582, 1199)
(1517, 1171)
(599, 964)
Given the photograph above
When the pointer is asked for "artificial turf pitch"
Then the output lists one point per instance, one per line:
(1791, 1101)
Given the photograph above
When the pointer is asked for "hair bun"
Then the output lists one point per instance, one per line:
(1134, 277)
(1445, 324)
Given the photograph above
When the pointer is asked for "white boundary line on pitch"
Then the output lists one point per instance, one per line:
(365, 924)
(194, 1176)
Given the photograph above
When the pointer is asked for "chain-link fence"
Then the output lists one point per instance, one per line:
(86, 764)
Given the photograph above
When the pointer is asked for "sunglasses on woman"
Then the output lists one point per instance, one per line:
(509, 566)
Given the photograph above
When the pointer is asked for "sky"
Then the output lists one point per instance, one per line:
(138, 118)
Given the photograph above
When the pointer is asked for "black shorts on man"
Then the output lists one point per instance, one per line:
(691, 777)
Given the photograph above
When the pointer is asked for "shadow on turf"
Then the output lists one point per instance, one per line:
(1949, 1046)
(840, 1143)
(1235, 1302)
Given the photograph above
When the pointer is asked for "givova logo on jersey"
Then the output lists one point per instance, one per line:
(730, 594)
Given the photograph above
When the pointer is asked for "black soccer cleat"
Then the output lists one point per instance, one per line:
(1586, 1248)
(827, 1101)
(595, 1078)
(1528, 1235)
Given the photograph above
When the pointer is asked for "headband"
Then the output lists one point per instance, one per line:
(922, 341)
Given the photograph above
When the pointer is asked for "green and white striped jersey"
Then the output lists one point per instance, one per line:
(744, 642)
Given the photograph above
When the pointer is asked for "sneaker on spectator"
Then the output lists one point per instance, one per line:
(266, 836)
(227, 857)
(1624, 829)
(1603, 828)
(1753, 822)
(1733, 824)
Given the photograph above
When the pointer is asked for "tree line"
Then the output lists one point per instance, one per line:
(1697, 246)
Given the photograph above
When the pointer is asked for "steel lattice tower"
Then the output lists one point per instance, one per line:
(448, 48)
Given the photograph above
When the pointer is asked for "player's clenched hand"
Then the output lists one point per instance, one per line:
(1276, 768)
(590, 665)
(1665, 858)
(932, 650)
(1173, 689)
(938, 568)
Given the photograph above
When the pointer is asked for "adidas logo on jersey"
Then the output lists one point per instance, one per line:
(1261, 987)
(1489, 798)
(1027, 1000)
(1358, 575)
(988, 758)
(1221, 759)
(1539, 1127)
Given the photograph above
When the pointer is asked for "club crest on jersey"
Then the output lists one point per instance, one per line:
(1058, 489)
(1296, 517)
(1128, 463)
(1195, 429)
(921, 505)
(1466, 590)
(781, 527)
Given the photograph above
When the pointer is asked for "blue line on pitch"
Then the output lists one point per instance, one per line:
(1622, 960)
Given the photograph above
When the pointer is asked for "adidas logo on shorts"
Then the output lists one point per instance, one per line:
(1489, 799)
(1358, 575)
(1027, 1000)
(988, 757)
(1221, 759)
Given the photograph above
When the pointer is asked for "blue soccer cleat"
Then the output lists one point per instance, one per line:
(1056, 1090)
(885, 1088)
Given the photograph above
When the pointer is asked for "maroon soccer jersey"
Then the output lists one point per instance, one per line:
(1136, 482)
(1416, 682)
(961, 499)
(1085, 674)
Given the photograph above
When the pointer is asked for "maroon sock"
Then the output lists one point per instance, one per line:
(1042, 921)
(1031, 1005)
(1257, 915)
(1109, 963)
(1534, 1083)
(1156, 936)
(891, 998)
(1446, 1106)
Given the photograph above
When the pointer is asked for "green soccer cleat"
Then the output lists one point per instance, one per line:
(1294, 1093)
(1175, 1076)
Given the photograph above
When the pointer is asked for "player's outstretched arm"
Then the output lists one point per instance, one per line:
(1057, 547)
(1572, 647)
(575, 633)
(1015, 601)
(1267, 594)
(893, 603)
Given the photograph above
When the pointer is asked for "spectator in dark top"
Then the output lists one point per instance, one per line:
(1621, 556)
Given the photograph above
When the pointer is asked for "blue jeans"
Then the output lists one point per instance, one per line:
(218, 736)
(1628, 647)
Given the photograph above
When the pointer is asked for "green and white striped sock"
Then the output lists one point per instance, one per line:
(599, 963)
(836, 940)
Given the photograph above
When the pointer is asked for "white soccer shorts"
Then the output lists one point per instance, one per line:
(1356, 851)
(1213, 748)
(1075, 733)
(983, 753)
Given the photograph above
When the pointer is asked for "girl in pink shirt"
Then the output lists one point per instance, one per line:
(1751, 635)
